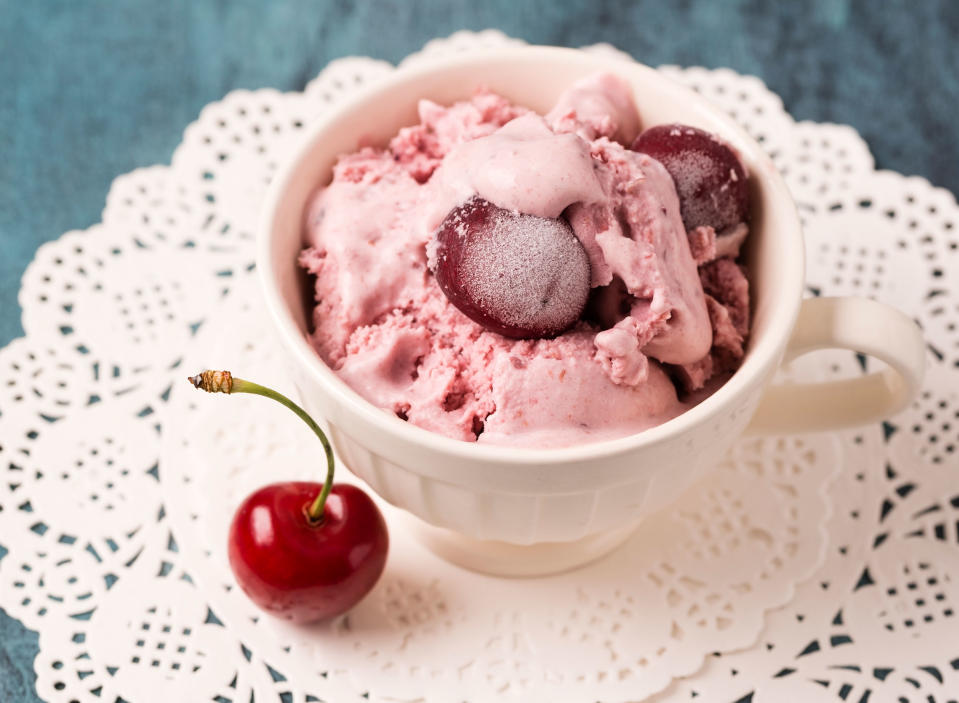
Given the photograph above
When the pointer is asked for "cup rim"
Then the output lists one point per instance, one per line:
(762, 354)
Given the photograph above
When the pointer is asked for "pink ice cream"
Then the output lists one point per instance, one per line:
(668, 308)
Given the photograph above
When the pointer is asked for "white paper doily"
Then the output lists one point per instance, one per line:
(115, 556)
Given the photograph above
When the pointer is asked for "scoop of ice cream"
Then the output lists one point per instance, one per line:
(367, 259)
(640, 236)
(712, 184)
(421, 147)
(597, 106)
(524, 167)
(385, 326)
(622, 206)
(553, 394)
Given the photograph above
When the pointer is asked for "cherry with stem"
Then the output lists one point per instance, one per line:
(301, 550)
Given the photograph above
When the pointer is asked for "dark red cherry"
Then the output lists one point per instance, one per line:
(304, 570)
(301, 550)
(519, 275)
(712, 185)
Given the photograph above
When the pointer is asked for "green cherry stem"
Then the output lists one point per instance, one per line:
(225, 382)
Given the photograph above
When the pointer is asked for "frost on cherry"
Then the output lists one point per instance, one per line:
(519, 275)
(711, 182)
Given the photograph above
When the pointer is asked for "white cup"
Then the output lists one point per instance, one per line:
(530, 511)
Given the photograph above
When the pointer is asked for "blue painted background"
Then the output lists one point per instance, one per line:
(92, 89)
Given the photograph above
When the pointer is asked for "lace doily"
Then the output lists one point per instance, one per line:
(113, 505)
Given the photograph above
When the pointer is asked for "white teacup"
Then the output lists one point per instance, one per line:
(528, 511)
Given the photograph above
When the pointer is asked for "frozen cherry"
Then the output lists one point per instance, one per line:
(519, 275)
(712, 185)
(301, 550)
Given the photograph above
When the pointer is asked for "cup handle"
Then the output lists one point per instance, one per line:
(860, 325)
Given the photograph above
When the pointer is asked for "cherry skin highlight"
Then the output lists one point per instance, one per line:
(301, 570)
(519, 275)
(711, 182)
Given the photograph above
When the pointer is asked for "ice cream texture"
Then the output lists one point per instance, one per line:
(668, 311)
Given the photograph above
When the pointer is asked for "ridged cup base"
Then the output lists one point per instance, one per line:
(515, 560)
